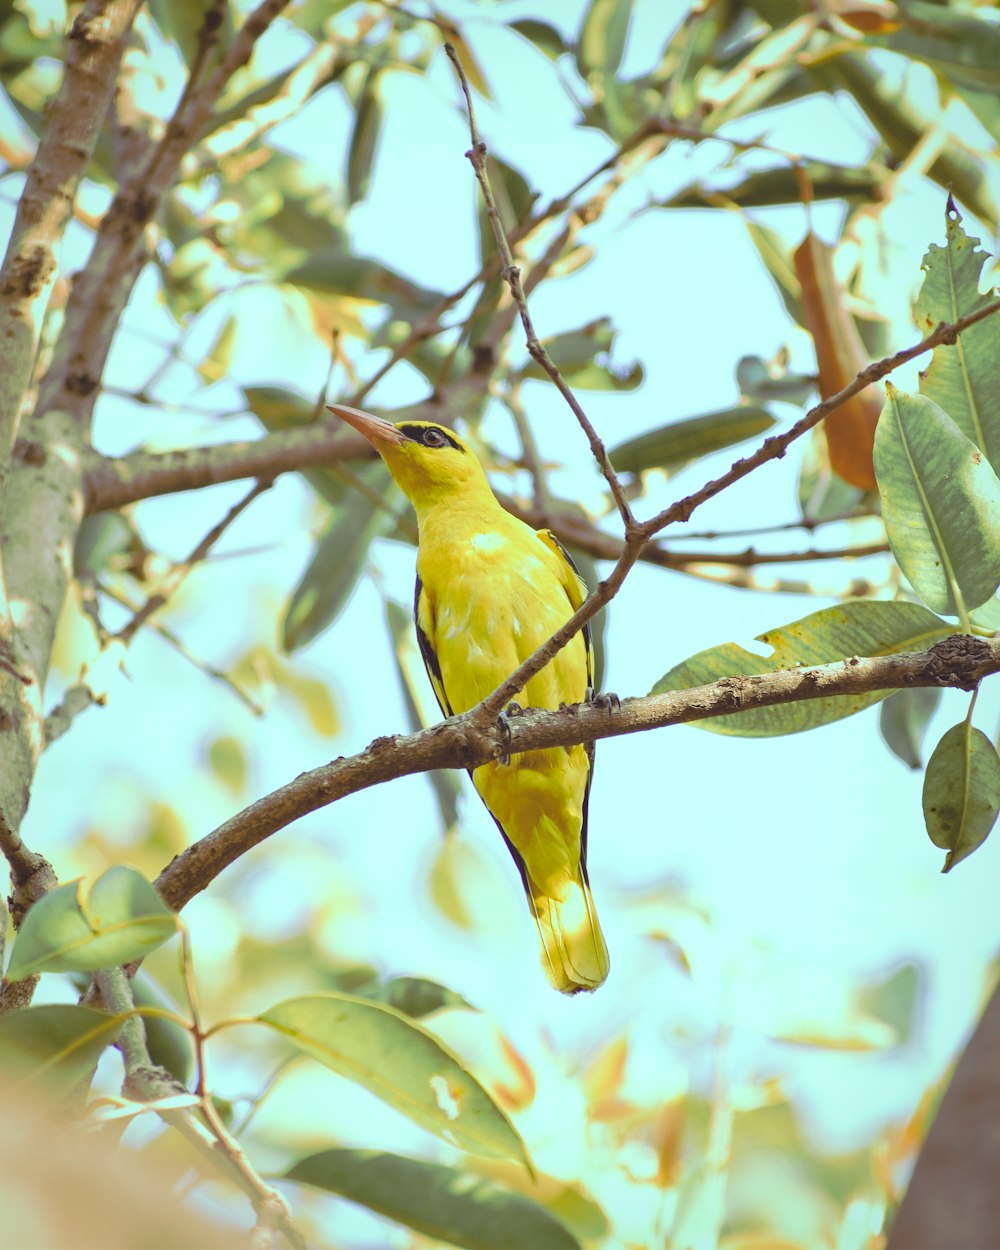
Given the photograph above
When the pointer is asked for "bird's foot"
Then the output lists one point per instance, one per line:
(510, 712)
(610, 702)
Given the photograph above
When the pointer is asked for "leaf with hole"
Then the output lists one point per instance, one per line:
(963, 377)
(862, 628)
(401, 1063)
(72, 929)
(940, 503)
(961, 796)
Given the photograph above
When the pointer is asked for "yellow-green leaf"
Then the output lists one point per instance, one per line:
(682, 441)
(963, 377)
(858, 628)
(940, 503)
(56, 1044)
(401, 1063)
(71, 930)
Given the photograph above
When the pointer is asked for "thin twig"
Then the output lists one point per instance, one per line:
(512, 276)
(772, 448)
(144, 1082)
(180, 571)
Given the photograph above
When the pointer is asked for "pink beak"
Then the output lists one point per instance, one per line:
(375, 429)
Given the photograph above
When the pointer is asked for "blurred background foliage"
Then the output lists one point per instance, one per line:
(759, 1073)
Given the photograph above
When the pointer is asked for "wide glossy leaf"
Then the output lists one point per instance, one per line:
(601, 44)
(72, 930)
(964, 377)
(514, 199)
(682, 441)
(401, 1063)
(442, 1203)
(823, 637)
(56, 1045)
(903, 720)
(940, 503)
(961, 795)
(337, 562)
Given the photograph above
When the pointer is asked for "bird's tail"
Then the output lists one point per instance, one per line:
(574, 952)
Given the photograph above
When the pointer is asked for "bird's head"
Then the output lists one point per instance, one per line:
(428, 461)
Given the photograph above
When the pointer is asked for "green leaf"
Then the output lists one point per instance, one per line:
(940, 503)
(334, 271)
(961, 795)
(682, 441)
(56, 1044)
(903, 720)
(278, 408)
(958, 45)
(546, 38)
(964, 377)
(862, 628)
(337, 561)
(987, 617)
(184, 20)
(514, 199)
(762, 381)
(822, 494)
(445, 1204)
(601, 44)
(780, 185)
(122, 918)
(417, 997)
(901, 127)
(582, 356)
(401, 1063)
(364, 137)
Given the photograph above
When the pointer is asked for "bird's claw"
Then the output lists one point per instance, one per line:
(606, 699)
(512, 710)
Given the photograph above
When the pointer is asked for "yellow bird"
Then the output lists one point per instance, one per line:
(490, 590)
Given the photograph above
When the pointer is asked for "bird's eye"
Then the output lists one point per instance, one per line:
(434, 438)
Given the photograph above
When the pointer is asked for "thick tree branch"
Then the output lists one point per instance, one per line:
(93, 52)
(462, 742)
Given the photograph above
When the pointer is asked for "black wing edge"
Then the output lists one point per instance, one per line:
(429, 655)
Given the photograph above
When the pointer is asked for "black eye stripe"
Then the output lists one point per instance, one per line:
(418, 434)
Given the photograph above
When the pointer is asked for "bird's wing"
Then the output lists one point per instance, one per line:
(575, 587)
(423, 618)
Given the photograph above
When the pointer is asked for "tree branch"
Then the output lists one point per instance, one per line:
(74, 119)
(462, 742)
(512, 276)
